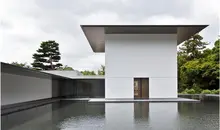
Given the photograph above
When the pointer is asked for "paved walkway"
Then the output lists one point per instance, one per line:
(133, 100)
(145, 100)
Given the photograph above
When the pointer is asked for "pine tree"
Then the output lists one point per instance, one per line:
(193, 47)
(47, 56)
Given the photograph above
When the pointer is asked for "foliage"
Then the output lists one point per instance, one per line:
(87, 72)
(198, 66)
(47, 56)
(24, 65)
(215, 91)
(65, 68)
(206, 91)
(193, 47)
(101, 71)
(189, 91)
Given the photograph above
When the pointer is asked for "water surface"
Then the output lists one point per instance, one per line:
(69, 115)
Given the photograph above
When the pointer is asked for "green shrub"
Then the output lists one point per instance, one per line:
(206, 91)
(197, 89)
(183, 92)
(188, 91)
(191, 91)
(215, 91)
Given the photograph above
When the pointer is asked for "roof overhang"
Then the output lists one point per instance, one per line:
(95, 34)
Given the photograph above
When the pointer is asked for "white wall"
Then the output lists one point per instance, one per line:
(141, 55)
(17, 88)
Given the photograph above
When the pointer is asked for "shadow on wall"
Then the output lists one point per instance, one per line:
(78, 88)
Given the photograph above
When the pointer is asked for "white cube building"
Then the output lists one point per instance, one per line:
(140, 60)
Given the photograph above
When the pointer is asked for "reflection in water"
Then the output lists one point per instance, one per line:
(141, 115)
(203, 115)
(119, 114)
(68, 115)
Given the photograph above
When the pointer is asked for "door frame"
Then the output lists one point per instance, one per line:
(140, 83)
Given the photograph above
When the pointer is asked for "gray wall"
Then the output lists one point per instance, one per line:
(92, 88)
(97, 87)
(22, 85)
(55, 88)
(20, 88)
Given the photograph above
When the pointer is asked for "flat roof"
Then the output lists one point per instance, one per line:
(12, 69)
(95, 34)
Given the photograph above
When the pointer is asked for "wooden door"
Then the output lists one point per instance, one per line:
(141, 87)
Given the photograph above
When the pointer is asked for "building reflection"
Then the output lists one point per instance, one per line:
(141, 115)
(111, 116)
(141, 111)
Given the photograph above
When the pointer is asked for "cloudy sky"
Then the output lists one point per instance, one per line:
(25, 23)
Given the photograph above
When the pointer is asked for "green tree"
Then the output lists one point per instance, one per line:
(65, 68)
(193, 47)
(199, 72)
(87, 72)
(47, 56)
(24, 65)
(101, 71)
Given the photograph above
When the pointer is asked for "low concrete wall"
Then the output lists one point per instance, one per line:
(24, 88)
(19, 88)
(78, 88)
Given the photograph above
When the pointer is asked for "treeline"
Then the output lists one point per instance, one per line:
(101, 71)
(198, 66)
(47, 57)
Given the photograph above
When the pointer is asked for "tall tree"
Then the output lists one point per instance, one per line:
(199, 71)
(47, 56)
(193, 47)
(101, 71)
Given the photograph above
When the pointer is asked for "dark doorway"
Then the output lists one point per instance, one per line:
(141, 88)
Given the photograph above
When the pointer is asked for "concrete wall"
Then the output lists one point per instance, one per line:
(19, 88)
(97, 87)
(67, 88)
(55, 88)
(141, 55)
(92, 88)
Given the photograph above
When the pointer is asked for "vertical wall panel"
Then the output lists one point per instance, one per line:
(18, 88)
(140, 55)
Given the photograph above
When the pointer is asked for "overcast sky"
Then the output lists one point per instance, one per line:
(25, 23)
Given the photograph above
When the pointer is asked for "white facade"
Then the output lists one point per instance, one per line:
(19, 88)
(152, 56)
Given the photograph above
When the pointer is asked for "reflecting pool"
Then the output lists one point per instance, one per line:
(69, 115)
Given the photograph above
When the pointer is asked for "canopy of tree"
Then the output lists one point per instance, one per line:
(47, 56)
(198, 66)
(66, 67)
(101, 71)
(24, 65)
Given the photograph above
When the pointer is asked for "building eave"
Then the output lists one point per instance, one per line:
(95, 34)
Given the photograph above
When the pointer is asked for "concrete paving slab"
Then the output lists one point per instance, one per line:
(143, 100)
